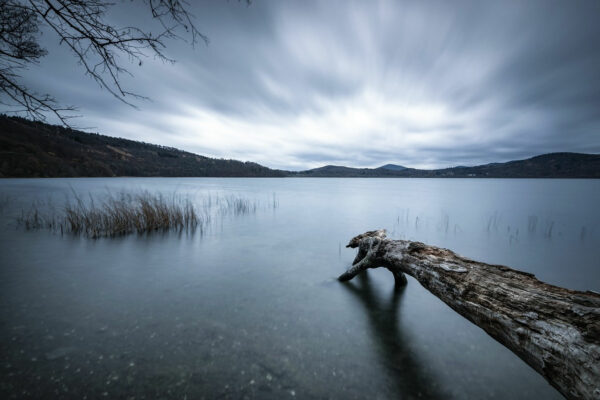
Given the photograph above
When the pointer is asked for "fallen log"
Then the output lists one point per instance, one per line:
(554, 330)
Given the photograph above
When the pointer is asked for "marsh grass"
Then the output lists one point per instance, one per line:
(35, 218)
(237, 205)
(495, 224)
(142, 213)
(115, 215)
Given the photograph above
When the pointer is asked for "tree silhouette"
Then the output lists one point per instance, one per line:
(101, 48)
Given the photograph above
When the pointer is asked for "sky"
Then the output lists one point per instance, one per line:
(302, 84)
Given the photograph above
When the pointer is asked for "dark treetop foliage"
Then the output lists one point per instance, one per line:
(100, 47)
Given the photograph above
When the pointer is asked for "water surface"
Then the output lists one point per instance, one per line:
(251, 308)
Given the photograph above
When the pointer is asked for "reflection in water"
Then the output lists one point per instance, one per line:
(393, 346)
(236, 312)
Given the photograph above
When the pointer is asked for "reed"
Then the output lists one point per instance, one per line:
(236, 205)
(126, 213)
(115, 216)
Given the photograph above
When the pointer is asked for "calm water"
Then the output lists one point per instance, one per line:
(251, 308)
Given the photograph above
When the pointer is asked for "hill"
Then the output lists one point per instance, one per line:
(35, 149)
(553, 165)
(392, 167)
(336, 171)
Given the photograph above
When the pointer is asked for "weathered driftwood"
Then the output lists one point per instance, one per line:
(554, 330)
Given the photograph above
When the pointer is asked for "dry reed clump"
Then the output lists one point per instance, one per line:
(141, 213)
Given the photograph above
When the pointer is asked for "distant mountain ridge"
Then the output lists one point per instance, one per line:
(392, 167)
(36, 149)
(552, 165)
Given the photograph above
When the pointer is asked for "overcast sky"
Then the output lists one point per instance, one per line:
(301, 84)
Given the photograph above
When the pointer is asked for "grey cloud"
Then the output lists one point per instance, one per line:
(512, 79)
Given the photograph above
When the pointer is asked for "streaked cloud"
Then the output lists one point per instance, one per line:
(302, 84)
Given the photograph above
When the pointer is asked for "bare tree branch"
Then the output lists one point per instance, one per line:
(100, 47)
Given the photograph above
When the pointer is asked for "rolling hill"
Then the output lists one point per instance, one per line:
(553, 165)
(36, 149)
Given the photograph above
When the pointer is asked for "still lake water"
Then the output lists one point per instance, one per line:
(251, 308)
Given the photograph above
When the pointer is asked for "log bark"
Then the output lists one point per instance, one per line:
(554, 330)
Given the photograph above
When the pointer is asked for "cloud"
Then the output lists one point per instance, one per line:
(303, 84)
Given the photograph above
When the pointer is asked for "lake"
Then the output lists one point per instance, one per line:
(250, 307)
